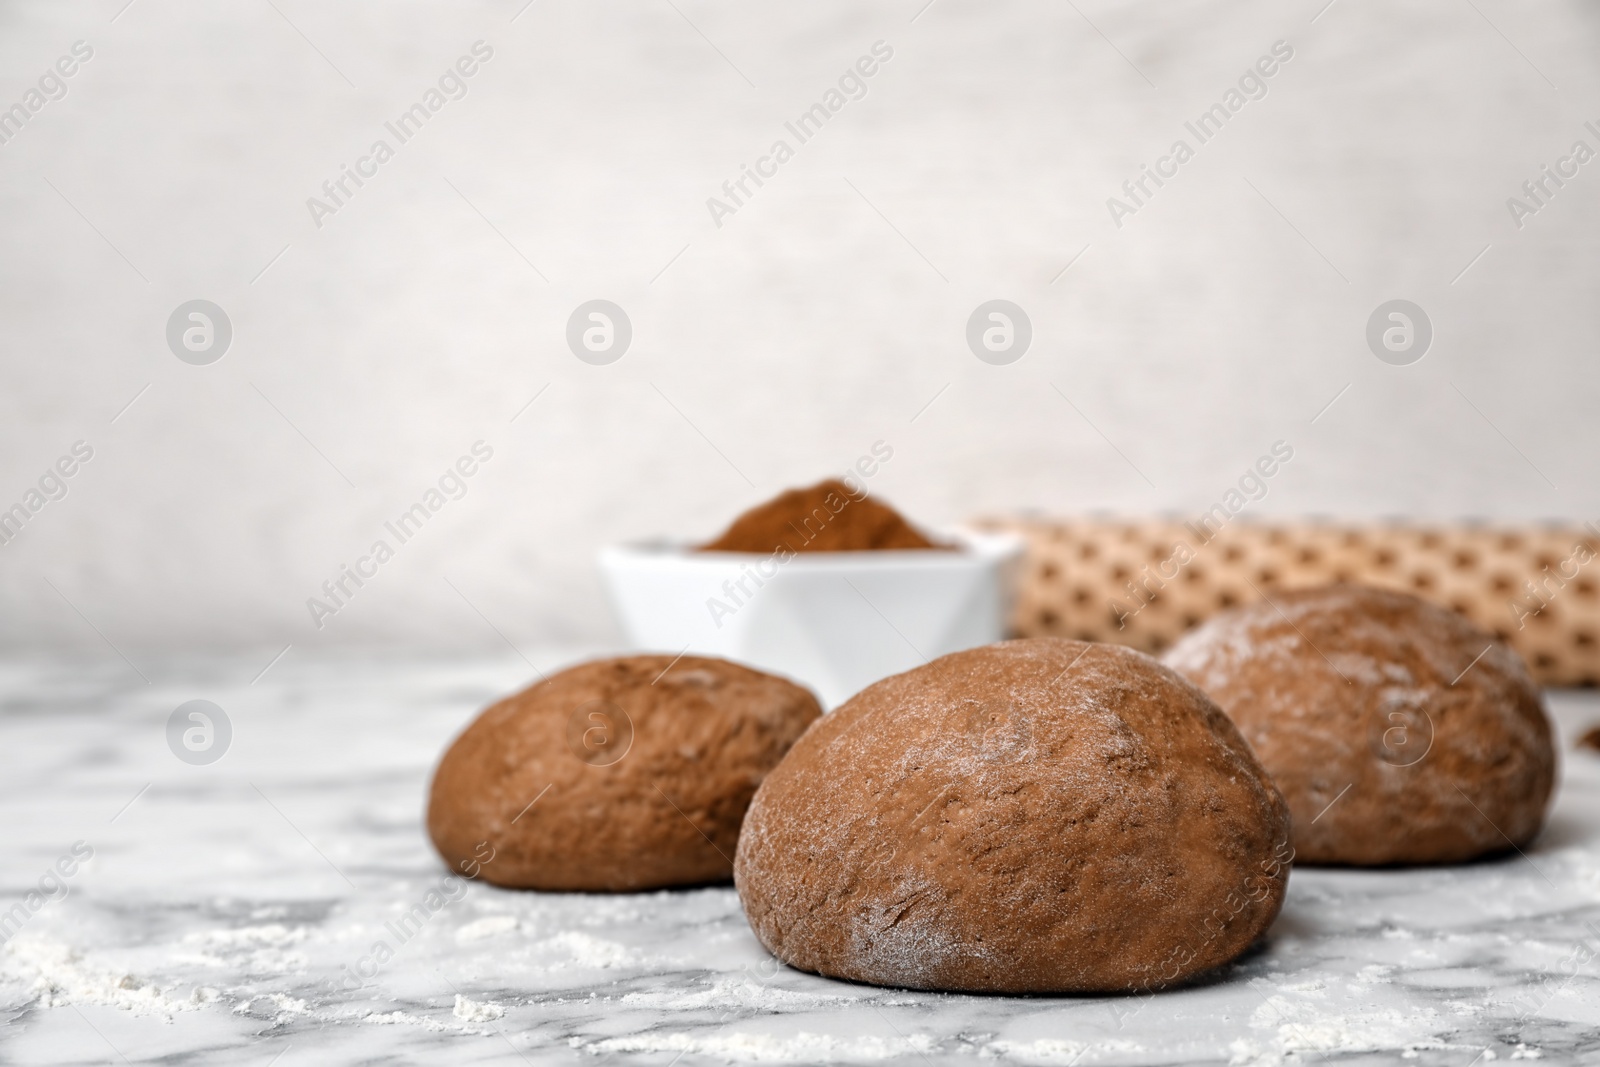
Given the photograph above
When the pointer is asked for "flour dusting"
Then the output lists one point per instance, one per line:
(588, 951)
(60, 976)
(265, 949)
(802, 1047)
(1298, 1019)
(734, 993)
(476, 1011)
(483, 929)
(401, 1018)
(1052, 1050)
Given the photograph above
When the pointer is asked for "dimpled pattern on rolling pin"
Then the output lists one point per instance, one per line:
(1145, 582)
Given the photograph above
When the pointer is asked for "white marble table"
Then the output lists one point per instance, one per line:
(223, 903)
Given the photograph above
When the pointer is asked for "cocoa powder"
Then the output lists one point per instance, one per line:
(826, 517)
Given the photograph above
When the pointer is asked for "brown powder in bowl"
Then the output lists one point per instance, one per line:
(826, 517)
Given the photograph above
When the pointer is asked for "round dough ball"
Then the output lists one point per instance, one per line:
(614, 776)
(1038, 816)
(1397, 731)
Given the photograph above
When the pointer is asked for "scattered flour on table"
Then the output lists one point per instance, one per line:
(465, 1012)
(482, 929)
(274, 934)
(1580, 865)
(266, 949)
(1053, 1050)
(401, 1018)
(476, 1011)
(59, 975)
(1373, 973)
(1300, 1020)
(803, 1047)
(589, 951)
(283, 1003)
(734, 993)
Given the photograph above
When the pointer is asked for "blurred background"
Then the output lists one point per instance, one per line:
(377, 337)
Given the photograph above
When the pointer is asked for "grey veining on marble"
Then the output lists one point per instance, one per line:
(225, 903)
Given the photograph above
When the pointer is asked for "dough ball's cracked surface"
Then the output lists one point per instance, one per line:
(1037, 816)
(1397, 730)
(641, 767)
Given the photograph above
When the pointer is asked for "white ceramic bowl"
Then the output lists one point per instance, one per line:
(834, 621)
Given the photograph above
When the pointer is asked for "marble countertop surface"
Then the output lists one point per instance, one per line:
(224, 903)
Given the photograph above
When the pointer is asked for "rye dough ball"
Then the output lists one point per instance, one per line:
(1039, 816)
(621, 774)
(1397, 731)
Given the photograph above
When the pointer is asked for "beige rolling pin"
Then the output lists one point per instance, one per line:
(1144, 582)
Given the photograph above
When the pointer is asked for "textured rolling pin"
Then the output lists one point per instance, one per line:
(1144, 582)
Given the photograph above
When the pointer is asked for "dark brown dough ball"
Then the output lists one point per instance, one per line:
(1355, 700)
(641, 777)
(1039, 816)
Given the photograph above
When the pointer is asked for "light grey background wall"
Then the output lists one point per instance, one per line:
(825, 314)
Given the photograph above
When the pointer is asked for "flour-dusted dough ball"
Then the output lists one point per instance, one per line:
(1397, 731)
(621, 774)
(1039, 816)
